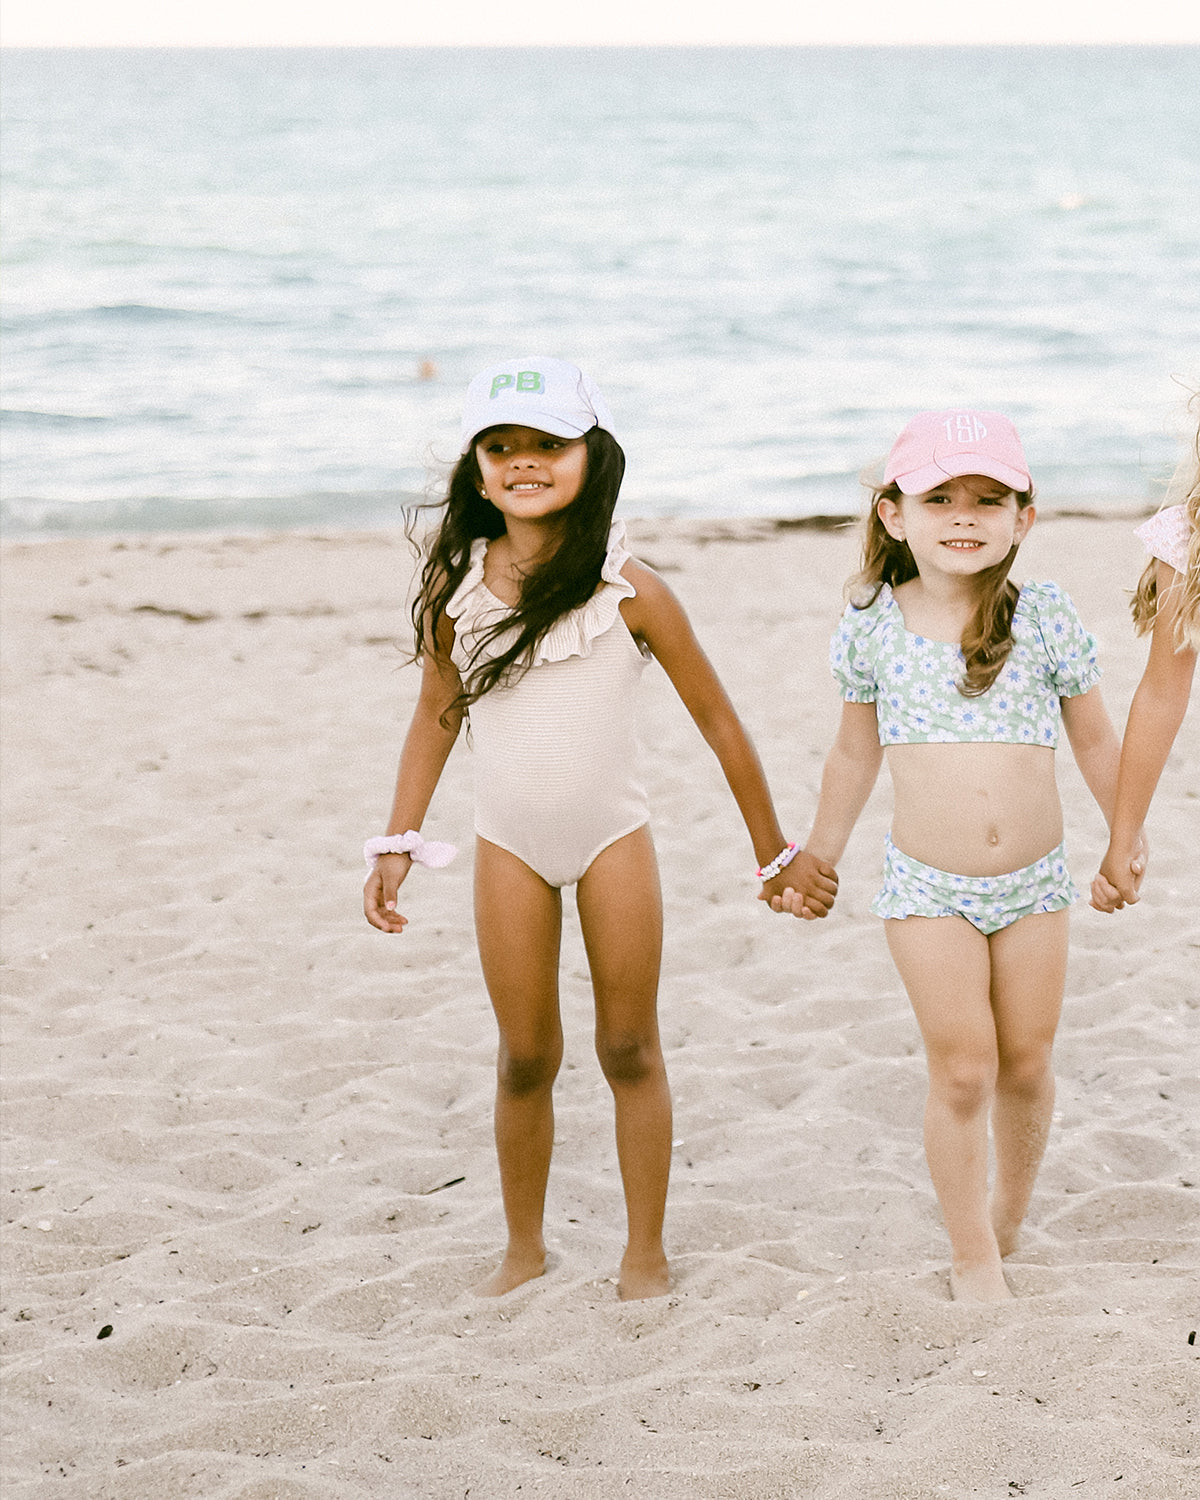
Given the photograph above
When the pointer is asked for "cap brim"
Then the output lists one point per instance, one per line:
(521, 414)
(921, 481)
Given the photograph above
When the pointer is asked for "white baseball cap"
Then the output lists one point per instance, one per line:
(547, 394)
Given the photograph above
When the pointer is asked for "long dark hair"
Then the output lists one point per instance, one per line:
(987, 639)
(565, 579)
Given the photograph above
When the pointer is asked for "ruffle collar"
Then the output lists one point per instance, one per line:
(474, 607)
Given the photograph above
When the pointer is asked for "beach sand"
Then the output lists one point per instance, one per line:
(249, 1174)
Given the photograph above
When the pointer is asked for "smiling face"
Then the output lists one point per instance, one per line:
(530, 475)
(961, 527)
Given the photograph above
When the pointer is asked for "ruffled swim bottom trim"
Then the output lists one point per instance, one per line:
(912, 888)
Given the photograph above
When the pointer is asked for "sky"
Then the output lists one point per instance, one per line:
(416, 23)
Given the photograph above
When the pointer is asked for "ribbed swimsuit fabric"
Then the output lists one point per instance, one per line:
(557, 776)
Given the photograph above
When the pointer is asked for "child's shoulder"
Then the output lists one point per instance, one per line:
(1047, 622)
(639, 573)
(1045, 604)
(1041, 593)
(646, 600)
(866, 610)
(860, 642)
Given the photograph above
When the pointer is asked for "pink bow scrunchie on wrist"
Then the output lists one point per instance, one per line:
(421, 851)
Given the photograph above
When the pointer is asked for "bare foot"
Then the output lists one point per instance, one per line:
(514, 1270)
(643, 1276)
(982, 1282)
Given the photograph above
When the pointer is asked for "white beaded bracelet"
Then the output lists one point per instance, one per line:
(780, 862)
(420, 851)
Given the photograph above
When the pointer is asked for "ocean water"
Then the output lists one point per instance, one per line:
(248, 288)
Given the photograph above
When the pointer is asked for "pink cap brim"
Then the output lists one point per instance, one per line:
(921, 481)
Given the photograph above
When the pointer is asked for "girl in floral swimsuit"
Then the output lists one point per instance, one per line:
(964, 679)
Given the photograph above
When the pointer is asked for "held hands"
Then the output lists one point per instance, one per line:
(380, 891)
(807, 887)
(1118, 882)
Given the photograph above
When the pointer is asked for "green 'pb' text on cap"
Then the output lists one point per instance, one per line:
(549, 395)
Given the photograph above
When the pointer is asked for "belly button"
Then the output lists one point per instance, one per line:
(993, 838)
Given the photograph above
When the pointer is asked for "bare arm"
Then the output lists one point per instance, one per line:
(1095, 746)
(851, 770)
(657, 617)
(426, 746)
(1157, 711)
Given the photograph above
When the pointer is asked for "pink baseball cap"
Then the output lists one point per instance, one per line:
(941, 445)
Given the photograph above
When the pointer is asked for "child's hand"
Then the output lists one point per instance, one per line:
(379, 893)
(1137, 865)
(807, 887)
(1105, 897)
(1119, 881)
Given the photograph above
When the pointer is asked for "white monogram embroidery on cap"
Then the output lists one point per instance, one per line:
(964, 427)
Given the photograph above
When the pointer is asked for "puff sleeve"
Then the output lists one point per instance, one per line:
(1070, 649)
(1166, 536)
(852, 654)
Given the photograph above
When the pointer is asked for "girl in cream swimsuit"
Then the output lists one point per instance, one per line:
(556, 754)
(534, 620)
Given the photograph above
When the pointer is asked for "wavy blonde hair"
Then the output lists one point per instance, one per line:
(1184, 489)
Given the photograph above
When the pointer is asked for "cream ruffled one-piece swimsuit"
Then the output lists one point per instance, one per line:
(556, 753)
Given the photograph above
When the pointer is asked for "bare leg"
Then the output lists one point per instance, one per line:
(620, 907)
(1029, 965)
(518, 923)
(945, 964)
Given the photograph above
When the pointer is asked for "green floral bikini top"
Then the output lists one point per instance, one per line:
(913, 681)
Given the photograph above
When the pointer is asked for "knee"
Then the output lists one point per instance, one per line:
(965, 1085)
(628, 1057)
(520, 1074)
(1025, 1072)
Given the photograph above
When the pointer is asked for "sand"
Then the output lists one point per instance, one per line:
(249, 1169)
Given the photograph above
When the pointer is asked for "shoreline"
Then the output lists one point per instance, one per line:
(756, 526)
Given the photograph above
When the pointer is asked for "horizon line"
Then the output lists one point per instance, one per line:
(640, 46)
